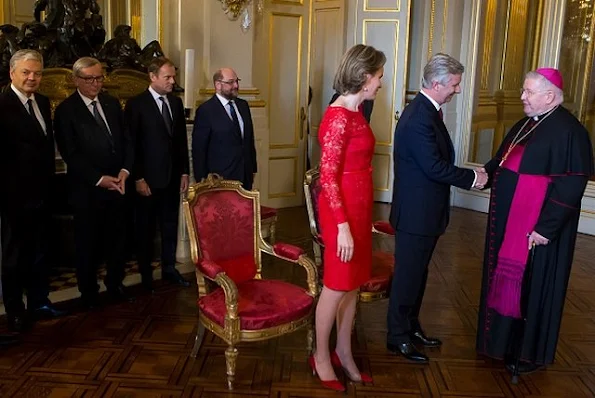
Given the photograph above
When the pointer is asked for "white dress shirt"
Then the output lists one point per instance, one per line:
(224, 101)
(159, 103)
(23, 98)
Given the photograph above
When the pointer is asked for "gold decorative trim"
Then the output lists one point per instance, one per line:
(538, 34)
(370, 9)
(366, 297)
(505, 45)
(288, 2)
(2, 11)
(136, 19)
(387, 183)
(431, 38)
(295, 173)
(444, 20)
(160, 21)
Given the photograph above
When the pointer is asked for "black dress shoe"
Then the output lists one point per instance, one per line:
(47, 311)
(7, 339)
(17, 323)
(118, 294)
(420, 337)
(524, 367)
(174, 276)
(408, 350)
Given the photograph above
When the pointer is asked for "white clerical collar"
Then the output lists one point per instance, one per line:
(436, 105)
(536, 118)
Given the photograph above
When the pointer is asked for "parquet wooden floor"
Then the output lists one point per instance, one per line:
(142, 349)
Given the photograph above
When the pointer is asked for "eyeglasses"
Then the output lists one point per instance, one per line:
(92, 79)
(238, 80)
(530, 93)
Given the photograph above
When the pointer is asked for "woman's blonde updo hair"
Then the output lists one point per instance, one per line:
(359, 61)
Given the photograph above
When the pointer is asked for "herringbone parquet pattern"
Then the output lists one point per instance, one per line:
(142, 348)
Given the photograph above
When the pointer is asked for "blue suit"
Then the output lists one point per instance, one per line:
(424, 171)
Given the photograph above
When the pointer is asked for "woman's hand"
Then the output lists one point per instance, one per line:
(344, 242)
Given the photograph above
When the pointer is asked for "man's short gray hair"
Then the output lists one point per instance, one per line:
(545, 84)
(438, 69)
(25, 55)
(83, 63)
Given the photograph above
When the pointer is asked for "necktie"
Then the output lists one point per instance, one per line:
(32, 113)
(100, 120)
(440, 114)
(234, 117)
(169, 123)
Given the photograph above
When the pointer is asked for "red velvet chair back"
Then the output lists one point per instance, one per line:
(226, 224)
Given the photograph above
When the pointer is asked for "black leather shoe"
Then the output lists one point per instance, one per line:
(408, 350)
(524, 367)
(420, 337)
(47, 311)
(118, 294)
(17, 323)
(7, 339)
(174, 276)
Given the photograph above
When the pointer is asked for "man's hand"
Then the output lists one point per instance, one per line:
(122, 177)
(110, 183)
(142, 187)
(482, 178)
(537, 240)
(183, 183)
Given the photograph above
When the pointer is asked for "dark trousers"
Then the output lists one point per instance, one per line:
(163, 205)
(412, 257)
(24, 258)
(100, 232)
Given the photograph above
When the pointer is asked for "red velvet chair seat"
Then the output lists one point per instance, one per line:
(267, 212)
(382, 273)
(261, 304)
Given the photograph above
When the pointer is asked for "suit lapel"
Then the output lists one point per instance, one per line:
(152, 104)
(27, 116)
(225, 116)
(442, 135)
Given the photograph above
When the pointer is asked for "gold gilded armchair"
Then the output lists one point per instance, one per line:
(226, 245)
(378, 285)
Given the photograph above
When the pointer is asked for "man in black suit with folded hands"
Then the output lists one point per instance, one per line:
(424, 172)
(27, 166)
(158, 129)
(94, 142)
(223, 135)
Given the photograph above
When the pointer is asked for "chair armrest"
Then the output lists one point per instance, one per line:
(294, 255)
(287, 251)
(383, 227)
(208, 268)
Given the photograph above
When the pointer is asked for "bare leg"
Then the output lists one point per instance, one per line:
(345, 316)
(326, 312)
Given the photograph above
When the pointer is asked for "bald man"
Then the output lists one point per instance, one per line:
(223, 135)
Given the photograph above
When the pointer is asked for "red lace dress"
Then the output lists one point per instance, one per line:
(347, 144)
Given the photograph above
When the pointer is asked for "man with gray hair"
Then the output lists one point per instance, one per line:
(27, 165)
(538, 178)
(424, 171)
(94, 142)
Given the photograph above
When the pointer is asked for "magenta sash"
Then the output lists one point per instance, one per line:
(504, 295)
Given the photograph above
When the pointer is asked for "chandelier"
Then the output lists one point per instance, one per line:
(235, 9)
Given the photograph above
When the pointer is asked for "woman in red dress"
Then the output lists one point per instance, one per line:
(345, 209)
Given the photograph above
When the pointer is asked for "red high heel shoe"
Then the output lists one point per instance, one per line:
(336, 361)
(332, 384)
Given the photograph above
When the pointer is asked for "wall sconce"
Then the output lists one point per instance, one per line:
(236, 8)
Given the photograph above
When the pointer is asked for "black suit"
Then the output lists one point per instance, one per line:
(89, 153)
(27, 166)
(161, 158)
(424, 171)
(217, 146)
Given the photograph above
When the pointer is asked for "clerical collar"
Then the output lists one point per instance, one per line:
(537, 117)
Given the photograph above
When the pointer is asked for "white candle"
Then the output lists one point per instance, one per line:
(189, 79)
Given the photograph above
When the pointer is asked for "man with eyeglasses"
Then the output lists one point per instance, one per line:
(158, 128)
(537, 178)
(94, 142)
(27, 166)
(223, 135)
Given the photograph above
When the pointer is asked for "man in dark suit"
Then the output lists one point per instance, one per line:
(223, 135)
(158, 129)
(27, 168)
(94, 142)
(424, 172)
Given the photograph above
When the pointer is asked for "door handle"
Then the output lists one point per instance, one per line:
(302, 120)
(396, 116)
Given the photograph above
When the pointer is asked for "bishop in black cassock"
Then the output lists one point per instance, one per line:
(537, 178)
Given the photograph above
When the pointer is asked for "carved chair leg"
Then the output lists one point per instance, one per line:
(198, 339)
(231, 354)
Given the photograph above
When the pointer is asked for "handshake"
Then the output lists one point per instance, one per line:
(481, 178)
